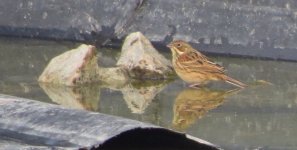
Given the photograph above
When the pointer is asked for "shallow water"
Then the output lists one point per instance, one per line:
(260, 116)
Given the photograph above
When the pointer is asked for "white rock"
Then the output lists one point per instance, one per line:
(74, 67)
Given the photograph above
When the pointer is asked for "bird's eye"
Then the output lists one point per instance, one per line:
(178, 45)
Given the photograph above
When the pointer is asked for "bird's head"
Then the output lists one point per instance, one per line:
(179, 47)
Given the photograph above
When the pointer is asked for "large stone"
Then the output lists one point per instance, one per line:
(142, 60)
(74, 67)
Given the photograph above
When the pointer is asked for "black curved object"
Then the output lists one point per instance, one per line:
(28, 124)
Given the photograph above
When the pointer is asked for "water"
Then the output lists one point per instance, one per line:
(261, 116)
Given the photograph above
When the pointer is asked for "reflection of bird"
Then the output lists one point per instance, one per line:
(192, 104)
(195, 68)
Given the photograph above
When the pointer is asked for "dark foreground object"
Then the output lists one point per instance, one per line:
(28, 124)
(264, 29)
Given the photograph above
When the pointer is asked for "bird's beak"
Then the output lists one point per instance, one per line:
(169, 45)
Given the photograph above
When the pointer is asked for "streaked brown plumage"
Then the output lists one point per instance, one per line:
(195, 68)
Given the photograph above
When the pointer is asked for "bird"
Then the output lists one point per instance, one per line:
(195, 68)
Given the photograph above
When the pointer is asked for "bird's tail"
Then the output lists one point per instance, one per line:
(235, 82)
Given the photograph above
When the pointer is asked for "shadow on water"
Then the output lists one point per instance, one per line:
(258, 116)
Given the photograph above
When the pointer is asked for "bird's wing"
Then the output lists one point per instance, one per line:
(195, 61)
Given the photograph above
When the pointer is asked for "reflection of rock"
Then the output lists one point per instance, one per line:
(73, 67)
(142, 60)
(191, 104)
(86, 97)
(138, 99)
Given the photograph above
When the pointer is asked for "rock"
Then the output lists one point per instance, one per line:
(74, 67)
(138, 60)
(142, 60)
(115, 76)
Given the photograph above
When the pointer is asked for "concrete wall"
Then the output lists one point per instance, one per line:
(265, 28)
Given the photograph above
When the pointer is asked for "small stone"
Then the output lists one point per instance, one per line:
(113, 76)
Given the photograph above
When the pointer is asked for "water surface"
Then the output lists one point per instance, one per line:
(261, 116)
